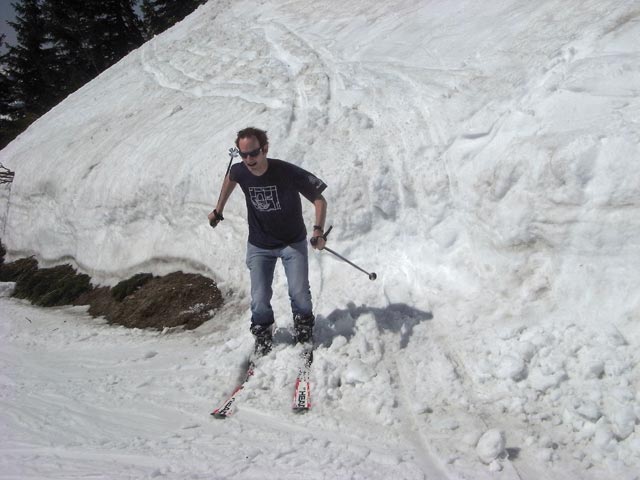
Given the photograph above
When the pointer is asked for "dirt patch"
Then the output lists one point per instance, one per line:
(177, 299)
(143, 301)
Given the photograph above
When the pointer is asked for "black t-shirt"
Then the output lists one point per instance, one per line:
(274, 208)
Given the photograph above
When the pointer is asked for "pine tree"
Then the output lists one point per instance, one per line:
(70, 24)
(8, 128)
(30, 65)
(162, 14)
(29, 77)
(92, 35)
(117, 30)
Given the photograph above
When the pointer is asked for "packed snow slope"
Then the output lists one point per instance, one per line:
(482, 159)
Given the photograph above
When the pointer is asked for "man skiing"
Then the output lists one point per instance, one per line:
(272, 190)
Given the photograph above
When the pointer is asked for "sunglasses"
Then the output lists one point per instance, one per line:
(252, 153)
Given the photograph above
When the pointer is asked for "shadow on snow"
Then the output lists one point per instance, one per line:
(397, 318)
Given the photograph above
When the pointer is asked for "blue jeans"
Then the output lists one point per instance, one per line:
(262, 264)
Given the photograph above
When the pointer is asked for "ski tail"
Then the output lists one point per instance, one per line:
(228, 406)
(302, 390)
(302, 396)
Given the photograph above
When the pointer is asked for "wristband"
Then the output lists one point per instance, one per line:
(318, 227)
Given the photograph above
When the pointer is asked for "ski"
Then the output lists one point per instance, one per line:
(228, 407)
(302, 392)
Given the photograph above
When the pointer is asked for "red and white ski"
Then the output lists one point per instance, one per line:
(302, 393)
(228, 407)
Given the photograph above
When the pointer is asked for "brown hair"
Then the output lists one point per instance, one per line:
(260, 135)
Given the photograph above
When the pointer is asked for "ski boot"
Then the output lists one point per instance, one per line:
(263, 335)
(303, 325)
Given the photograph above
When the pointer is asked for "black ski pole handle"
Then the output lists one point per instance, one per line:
(314, 240)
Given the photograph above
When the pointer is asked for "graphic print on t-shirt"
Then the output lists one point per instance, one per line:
(265, 199)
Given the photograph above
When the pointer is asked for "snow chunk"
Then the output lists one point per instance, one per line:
(511, 367)
(7, 289)
(338, 343)
(491, 446)
(589, 410)
(604, 438)
(542, 383)
(358, 372)
(623, 422)
(594, 369)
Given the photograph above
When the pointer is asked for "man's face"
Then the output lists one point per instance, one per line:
(254, 157)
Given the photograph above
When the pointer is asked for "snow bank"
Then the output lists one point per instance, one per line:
(482, 159)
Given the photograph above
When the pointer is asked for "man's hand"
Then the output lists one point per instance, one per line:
(319, 238)
(215, 218)
(318, 242)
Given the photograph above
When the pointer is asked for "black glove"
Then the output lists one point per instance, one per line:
(217, 218)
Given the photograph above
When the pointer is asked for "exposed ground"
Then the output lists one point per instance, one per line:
(175, 300)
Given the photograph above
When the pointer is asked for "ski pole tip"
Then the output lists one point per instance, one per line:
(373, 276)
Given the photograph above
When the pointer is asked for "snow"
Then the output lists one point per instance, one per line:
(490, 446)
(6, 289)
(481, 159)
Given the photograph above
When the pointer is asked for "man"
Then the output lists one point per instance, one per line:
(272, 190)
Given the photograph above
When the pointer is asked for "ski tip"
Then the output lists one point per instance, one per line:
(220, 416)
(300, 410)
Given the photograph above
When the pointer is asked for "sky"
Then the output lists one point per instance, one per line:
(481, 158)
(7, 14)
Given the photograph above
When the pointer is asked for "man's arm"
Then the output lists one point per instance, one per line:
(227, 187)
(318, 228)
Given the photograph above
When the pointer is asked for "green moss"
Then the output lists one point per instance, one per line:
(49, 287)
(10, 272)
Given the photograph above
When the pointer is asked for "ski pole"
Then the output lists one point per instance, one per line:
(314, 240)
(372, 275)
(233, 153)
